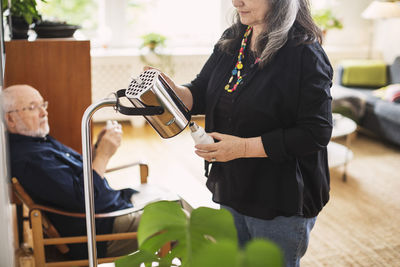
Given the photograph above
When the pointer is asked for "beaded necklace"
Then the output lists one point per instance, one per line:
(239, 64)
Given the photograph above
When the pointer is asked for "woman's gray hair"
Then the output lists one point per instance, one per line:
(281, 17)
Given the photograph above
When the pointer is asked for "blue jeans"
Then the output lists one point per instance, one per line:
(291, 234)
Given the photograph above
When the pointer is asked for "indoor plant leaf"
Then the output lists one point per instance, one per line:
(262, 253)
(160, 216)
(221, 254)
(258, 253)
(216, 223)
(205, 225)
(140, 257)
(165, 221)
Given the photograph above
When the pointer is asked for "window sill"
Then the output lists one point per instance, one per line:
(121, 52)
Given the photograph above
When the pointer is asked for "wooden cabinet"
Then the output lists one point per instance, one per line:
(60, 70)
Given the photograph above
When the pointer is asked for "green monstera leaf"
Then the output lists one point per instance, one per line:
(258, 253)
(262, 253)
(207, 238)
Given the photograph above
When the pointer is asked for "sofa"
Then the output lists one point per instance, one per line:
(359, 93)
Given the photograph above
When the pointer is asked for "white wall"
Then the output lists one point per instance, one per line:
(352, 41)
(6, 233)
(356, 30)
(359, 35)
(112, 26)
(387, 38)
(111, 72)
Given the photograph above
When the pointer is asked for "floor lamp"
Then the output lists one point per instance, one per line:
(380, 10)
(152, 97)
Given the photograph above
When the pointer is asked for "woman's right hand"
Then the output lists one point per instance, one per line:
(181, 91)
(165, 76)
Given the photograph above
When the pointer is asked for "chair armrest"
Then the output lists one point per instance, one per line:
(144, 170)
(124, 166)
(14, 199)
(82, 215)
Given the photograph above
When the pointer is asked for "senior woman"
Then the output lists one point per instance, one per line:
(265, 93)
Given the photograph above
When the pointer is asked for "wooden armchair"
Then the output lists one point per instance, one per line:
(44, 233)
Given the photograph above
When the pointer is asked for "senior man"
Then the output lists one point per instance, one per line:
(52, 173)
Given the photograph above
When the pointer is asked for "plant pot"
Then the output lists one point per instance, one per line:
(19, 28)
(152, 45)
(49, 29)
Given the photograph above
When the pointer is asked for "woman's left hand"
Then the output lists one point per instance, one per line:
(228, 148)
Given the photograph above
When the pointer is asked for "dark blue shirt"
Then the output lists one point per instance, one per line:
(52, 174)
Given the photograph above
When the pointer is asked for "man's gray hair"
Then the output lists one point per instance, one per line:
(7, 100)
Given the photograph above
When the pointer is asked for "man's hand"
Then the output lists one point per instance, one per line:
(108, 141)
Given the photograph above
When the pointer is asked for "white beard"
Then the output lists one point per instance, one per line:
(43, 132)
(40, 132)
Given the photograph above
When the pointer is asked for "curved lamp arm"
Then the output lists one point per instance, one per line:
(87, 164)
(88, 176)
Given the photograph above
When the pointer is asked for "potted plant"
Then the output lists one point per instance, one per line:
(153, 56)
(205, 238)
(22, 14)
(326, 20)
(153, 40)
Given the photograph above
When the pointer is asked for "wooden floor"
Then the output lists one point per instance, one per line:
(172, 163)
(358, 227)
(360, 224)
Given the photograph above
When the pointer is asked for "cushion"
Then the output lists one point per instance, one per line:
(364, 73)
(348, 102)
(395, 71)
(389, 93)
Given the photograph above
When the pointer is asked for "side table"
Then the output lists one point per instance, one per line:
(340, 155)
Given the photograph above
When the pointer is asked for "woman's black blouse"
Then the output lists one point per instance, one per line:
(288, 104)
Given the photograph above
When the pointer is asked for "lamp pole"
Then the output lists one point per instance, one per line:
(87, 161)
(88, 176)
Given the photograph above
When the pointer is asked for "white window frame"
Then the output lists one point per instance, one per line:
(112, 25)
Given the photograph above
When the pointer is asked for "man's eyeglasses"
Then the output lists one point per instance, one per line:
(32, 107)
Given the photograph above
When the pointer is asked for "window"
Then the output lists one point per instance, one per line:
(319, 4)
(184, 22)
(121, 23)
(80, 12)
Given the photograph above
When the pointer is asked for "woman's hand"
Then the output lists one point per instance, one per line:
(181, 91)
(165, 76)
(228, 148)
(231, 147)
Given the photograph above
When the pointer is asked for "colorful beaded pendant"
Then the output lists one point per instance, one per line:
(239, 65)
